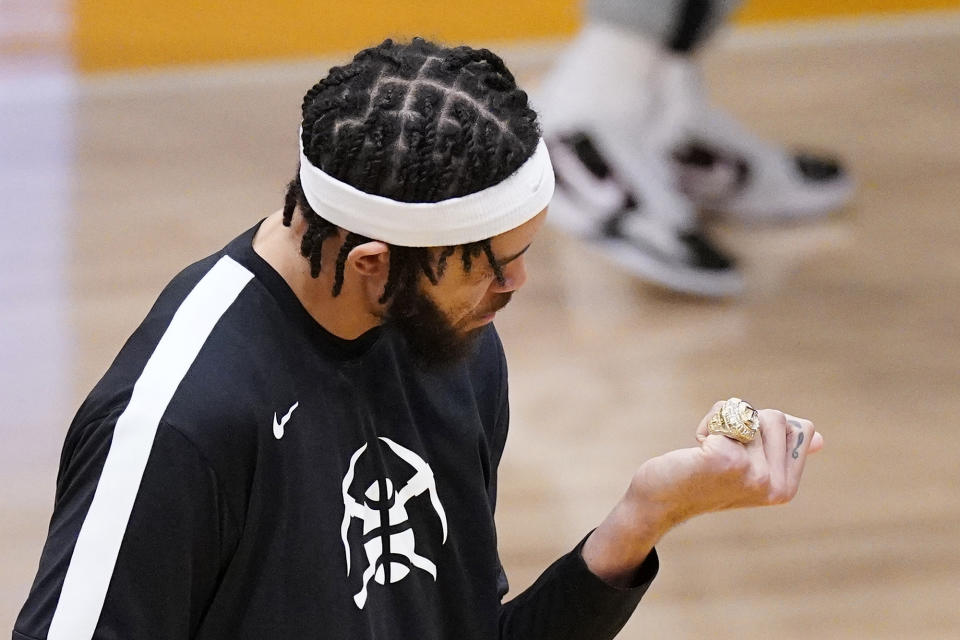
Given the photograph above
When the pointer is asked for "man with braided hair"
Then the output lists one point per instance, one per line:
(301, 440)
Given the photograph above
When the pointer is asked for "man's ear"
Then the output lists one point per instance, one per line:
(370, 259)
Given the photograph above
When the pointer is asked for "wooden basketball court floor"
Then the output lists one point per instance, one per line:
(112, 184)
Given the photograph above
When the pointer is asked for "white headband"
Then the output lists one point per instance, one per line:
(469, 218)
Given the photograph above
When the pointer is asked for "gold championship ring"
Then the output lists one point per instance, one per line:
(736, 419)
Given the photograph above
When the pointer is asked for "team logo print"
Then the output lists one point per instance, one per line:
(388, 537)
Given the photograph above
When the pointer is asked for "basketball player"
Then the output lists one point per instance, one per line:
(301, 439)
(638, 148)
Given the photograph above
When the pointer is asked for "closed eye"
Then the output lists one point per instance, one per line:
(510, 259)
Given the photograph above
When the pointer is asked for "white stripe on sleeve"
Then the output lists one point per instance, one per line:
(98, 543)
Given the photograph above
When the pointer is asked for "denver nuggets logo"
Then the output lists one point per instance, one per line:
(388, 538)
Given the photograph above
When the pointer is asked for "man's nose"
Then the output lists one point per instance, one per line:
(514, 275)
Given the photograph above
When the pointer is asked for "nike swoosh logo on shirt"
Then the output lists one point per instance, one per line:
(278, 426)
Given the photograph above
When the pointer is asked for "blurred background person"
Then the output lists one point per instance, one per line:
(640, 150)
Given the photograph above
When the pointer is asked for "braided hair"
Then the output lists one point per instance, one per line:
(414, 122)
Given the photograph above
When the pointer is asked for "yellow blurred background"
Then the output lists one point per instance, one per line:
(124, 34)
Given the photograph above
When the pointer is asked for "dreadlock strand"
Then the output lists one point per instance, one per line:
(290, 200)
(442, 260)
(494, 263)
(423, 258)
(393, 277)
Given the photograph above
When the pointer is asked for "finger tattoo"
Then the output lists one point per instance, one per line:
(796, 449)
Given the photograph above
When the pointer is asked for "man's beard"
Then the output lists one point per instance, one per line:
(433, 339)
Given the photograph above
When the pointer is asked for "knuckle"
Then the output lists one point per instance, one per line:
(758, 481)
(639, 477)
(773, 416)
(738, 464)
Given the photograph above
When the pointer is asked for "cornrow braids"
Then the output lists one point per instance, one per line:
(413, 122)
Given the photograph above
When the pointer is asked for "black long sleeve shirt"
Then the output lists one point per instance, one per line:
(240, 473)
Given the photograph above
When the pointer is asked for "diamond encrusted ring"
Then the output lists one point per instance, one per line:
(736, 419)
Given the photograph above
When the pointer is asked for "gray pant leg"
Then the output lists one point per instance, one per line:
(681, 25)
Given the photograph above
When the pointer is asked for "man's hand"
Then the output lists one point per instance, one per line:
(720, 473)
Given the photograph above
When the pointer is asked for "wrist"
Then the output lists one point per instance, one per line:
(617, 548)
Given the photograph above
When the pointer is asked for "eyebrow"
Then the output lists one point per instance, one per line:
(513, 257)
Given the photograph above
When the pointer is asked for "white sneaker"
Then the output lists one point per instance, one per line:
(752, 181)
(628, 212)
(616, 189)
(724, 168)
